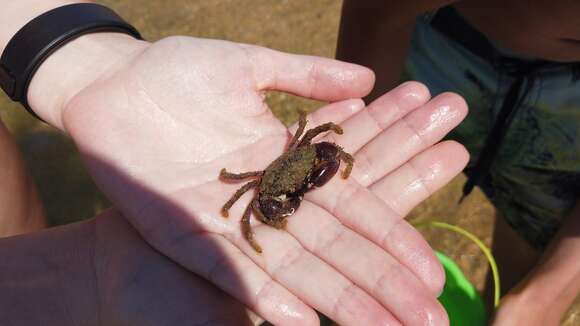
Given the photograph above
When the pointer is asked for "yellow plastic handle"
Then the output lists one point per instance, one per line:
(486, 251)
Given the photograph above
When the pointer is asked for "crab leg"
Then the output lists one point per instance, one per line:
(349, 160)
(301, 126)
(247, 229)
(237, 195)
(239, 176)
(310, 134)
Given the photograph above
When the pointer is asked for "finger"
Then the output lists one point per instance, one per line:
(408, 136)
(336, 112)
(416, 180)
(366, 265)
(255, 318)
(362, 211)
(309, 76)
(311, 279)
(379, 115)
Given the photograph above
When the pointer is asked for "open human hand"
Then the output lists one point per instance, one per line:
(156, 130)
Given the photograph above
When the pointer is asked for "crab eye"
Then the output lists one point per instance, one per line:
(323, 173)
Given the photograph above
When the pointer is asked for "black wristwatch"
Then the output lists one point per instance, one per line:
(43, 35)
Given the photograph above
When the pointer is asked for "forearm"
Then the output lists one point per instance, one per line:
(71, 68)
(101, 272)
(23, 213)
(47, 278)
(368, 37)
(15, 14)
(377, 34)
(555, 282)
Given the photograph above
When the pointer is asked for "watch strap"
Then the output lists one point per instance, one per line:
(43, 35)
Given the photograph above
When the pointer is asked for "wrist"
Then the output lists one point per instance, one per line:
(73, 66)
(76, 65)
(532, 302)
(520, 309)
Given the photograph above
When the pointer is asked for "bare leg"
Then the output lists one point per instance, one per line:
(239, 176)
(21, 210)
(310, 134)
(301, 125)
(349, 160)
(278, 224)
(237, 196)
(247, 229)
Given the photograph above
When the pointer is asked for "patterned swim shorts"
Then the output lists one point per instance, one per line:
(534, 180)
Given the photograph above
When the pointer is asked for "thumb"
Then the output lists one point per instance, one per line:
(309, 76)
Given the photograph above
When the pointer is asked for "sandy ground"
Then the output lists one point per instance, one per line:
(297, 26)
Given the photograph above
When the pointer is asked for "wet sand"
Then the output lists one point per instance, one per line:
(297, 26)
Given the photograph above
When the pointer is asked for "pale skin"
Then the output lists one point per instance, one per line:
(105, 262)
(541, 29)
(156, 123)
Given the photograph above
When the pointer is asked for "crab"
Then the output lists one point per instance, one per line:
(281, 186)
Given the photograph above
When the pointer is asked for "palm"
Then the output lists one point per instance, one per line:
(189, 108)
